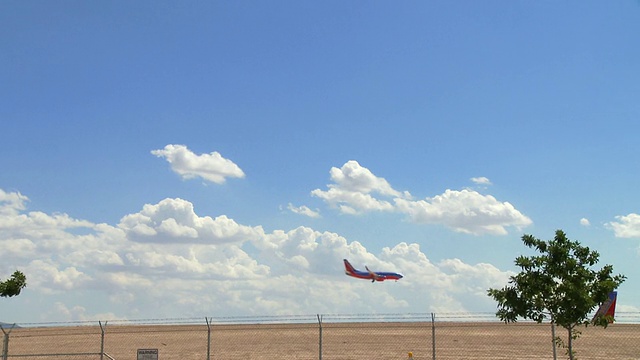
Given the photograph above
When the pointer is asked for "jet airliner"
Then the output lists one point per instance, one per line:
(369, 275)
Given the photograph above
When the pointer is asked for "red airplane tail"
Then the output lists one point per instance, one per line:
(607, 308)
(349, 269)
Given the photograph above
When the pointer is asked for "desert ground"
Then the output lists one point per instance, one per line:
(338, 341)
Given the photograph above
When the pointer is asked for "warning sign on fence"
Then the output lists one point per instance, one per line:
(147, 354)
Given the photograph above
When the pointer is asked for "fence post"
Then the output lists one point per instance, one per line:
(102, 329)
(553, 338)
(208, 338)
(5, 347)
(433, 335)
(320, 337)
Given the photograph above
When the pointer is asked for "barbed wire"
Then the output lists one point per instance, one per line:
(632, 317)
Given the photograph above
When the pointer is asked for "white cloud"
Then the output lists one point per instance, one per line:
(626, 227)
(354, 178)
(475, 279)
(174, 220)
(353, 187)
(464, 211)
(211, 167)
(351, 202)
(585, 222)
(79, 313)
(50, 277)
(304, 210)
(481, 180)
(11, 203)
(201, 265)
(17, 248)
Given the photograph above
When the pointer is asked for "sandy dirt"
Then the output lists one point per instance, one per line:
(339, 341)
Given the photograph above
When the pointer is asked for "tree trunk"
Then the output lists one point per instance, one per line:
(570, 346)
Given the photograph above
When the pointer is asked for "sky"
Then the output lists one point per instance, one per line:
(167, 159)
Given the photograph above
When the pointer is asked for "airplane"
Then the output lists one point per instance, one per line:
(373, 275)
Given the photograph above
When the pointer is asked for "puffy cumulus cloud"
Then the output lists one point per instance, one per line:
(303, 249)
(315, 259)
(475, 279)
(154, 262)
(585, 222)
(94, 257)
(211, 167)
(50, 277)
(175, 221)
(355, 189)
(418, 270)
(626, 226)
(352, 203)
(38, 224)
(465, 211)
(355, 178)
(304, 210)
(453, 285)
(25, 236)
(12, 203)
(59, 259)
(126, 280)
(17, 248)
(239, 270)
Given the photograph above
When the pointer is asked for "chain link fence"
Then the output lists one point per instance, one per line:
(323, 337)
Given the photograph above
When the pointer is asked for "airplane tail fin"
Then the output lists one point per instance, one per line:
(349, 269)
(608, 308)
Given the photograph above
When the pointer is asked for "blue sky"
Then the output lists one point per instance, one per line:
(166, 159)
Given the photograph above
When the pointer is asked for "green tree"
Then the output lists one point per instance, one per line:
(13, 285)
(559, 285)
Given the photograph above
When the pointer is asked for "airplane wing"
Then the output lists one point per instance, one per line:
(374, 275)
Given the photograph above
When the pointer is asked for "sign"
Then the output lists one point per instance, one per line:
(147, 354)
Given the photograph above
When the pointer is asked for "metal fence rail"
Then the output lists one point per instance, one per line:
(325, 337)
